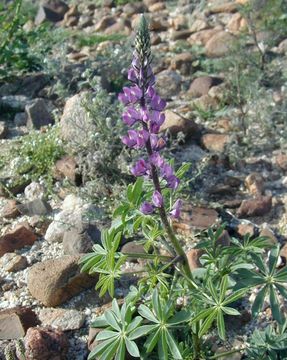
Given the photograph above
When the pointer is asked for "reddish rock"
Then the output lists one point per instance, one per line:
(281, 161)
(15, 322)
(66, 168)
(237, 23)
(92, 342)
(133, 247)
(21, 236)
(202, 37)
(45, 344)
(219, 44)
(255, 184)
(55, 281)
(105, 23)
(182, 62)
(10, 210)
(215, 142)
(159, 6)
(267, 232)
(176, 123)
(224, 239)
(195, 218)
(255, 207)
(245, 228)
(227, 7)
(193, 257)
(201, 85)
(12, 262)
(180, 35)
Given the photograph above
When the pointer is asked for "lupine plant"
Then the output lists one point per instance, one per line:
(171, 311)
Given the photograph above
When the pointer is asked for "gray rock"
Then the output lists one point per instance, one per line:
(62, 319)
(81, 237)
(20, 119)
(38, 114)
(14, 102)
(168, 83)
(51, 10)
(35, 207)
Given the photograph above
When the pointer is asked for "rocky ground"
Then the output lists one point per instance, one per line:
(236, 177)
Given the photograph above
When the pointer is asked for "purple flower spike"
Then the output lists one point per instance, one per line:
(132, 76)
(157, 103)
(136, 139)
(175, 212)
(156, 142)
(146, 208)
(140, 168)
(156, 159)
(157, 199)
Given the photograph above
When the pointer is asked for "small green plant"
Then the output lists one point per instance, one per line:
(267, 344)
(36, 155)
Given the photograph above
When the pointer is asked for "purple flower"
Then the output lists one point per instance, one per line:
(146, 208)
(131, 116)
(157, 199)
(156, 142)
(156, 159)
(157, 103)
(140, 168)
(130, 95)
(172, 182)
(136, 139)
(175, 212)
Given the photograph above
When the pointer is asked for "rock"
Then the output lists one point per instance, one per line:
(227, 7)
(281, 161)
(67, 168)
(104, 24)
(133, 247)
(38, 114)
(27, 85)
(3, 130)
(246, 228)
(122, 26)
(201, 85)
(176, 123)
(34, 191)
(35, 207)
(51, 10)
(215, 142)
(135, 7)
(267, 232)
(206, 102)
(237, 23)
(198, 25)
(21, 236)
(155, 39)
(20, 119)
(222, 349)
(255, 184)
(180, 35)
(158, 23)
(168, 83)
(159, 6)
(282, 47)
(182, 62)
(179, 22)
(55, 281)
(62, 319)
(74, 121)
(12, 262)
(10, 210)
(193, 256)
(195, 218)
(15, 322)
(14, 102)
(283, 251)
(219, 44)
(81, 237)
(255, 207)
(203, 36)
(45, 344)
(92, 342)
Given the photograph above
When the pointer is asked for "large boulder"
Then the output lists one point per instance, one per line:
(219, 44)
(55, 281)
(168, 83)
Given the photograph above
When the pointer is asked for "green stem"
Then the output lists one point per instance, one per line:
(224, 354)
(148, 256)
